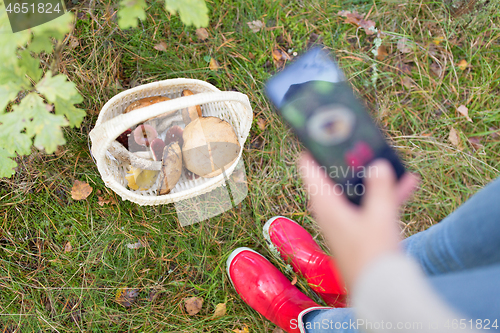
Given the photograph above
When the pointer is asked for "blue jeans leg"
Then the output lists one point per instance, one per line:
(462, 256)
(467, 238)
(473, 293)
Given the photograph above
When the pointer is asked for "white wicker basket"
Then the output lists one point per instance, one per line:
(233, 107)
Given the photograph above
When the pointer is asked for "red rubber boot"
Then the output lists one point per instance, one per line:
(288, 240)
(266, 290)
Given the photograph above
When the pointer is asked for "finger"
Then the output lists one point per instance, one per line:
(327, 198)
(406, 186)
(380, 196)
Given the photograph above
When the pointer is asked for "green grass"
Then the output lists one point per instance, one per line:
(44, 288)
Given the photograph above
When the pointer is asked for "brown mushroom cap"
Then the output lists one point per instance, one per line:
(210, 145)
(143, 102)
(171, 170)
(190, 113)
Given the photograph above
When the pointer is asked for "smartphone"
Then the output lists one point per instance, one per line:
(316, 101)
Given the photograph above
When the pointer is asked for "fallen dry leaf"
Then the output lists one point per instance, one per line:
(277, 54)
(68, 247)
(382, 53)
(261, 123)
(214, 65)
(404, 45)
(80, 190)
(407, 82)
(436, 69)
(73, 42)
(193, 305)
(202, 33)
(220, 310)
(101, 201)
(278, 330)
(464, 111)
(126, 296)
(358, 20)
(453, 137)
(255, 26)
(462, 64)
(496, 132)
(162, 46)
(475, 141)
(244, 330)
(404, 68)
(438, 40)
(294, 281)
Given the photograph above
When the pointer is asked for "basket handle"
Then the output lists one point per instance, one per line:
(104, 134)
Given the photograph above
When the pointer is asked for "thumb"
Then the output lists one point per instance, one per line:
(381, 194)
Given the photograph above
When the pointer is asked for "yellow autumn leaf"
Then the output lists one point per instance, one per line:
(244, 330)
(462, 64)
(214, 65)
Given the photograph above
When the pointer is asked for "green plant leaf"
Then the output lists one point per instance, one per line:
(30, 65)
(193, 12)
(56, 86)
(130, 11)
(67, 108)
(41, 43)
(45, 126)
(7, 94)
(56, 28)
(9, 42)
(49, 132)
(7, 165)
(10, 134)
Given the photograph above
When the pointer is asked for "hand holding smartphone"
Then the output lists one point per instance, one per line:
(312, 96)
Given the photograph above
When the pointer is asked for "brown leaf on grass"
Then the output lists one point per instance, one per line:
(261, 123)
(126, 296)
(475, 141)
(277, 54)
(161, 46)
(496, 132)
(193, 305)
(382, 53)
(255, 26)
(102, 201)
(220, 310)
(278, 330)
(407, 82)
(73, 42)
(80, 190)
(462, 64)
(464, 111)
(202, 33)
(279, 57)
(436, 69)
(454, 138)
(358, 20)
(404, 68)
(214, 65)
(68, 247)
(244, 330)
(294, 281)
(404, 45)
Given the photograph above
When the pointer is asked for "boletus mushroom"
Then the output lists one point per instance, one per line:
(191, 113)
(143, 102)
(210, 146)
(171, 169)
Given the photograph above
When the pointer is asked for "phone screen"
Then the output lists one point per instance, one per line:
(313, 97)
